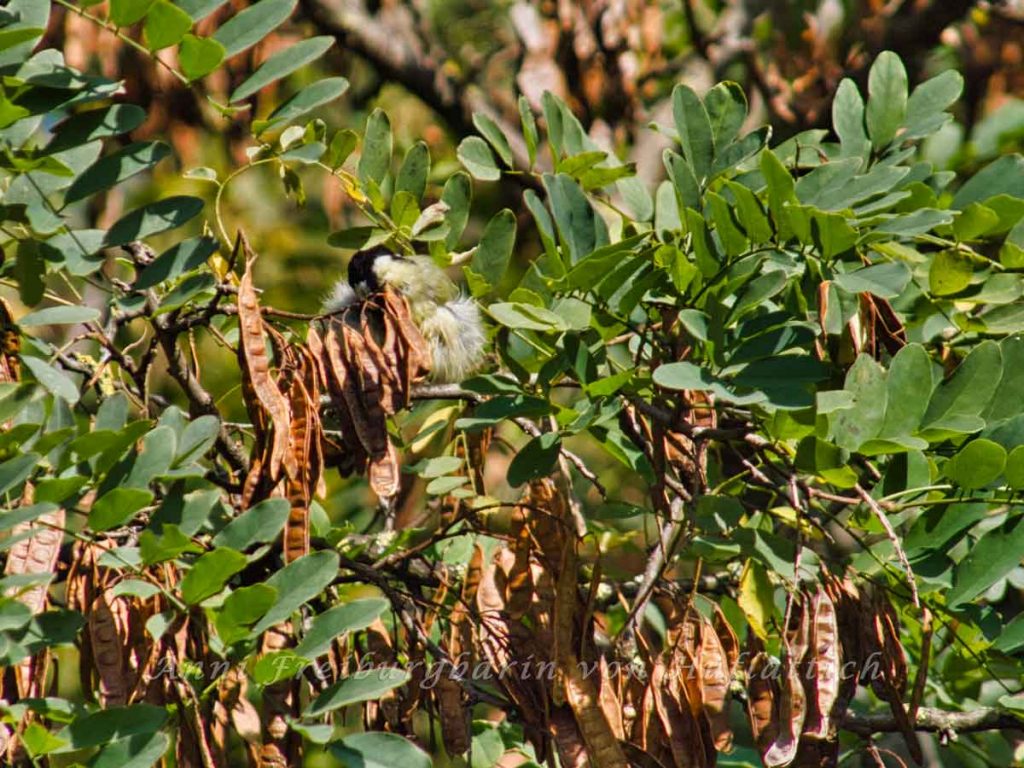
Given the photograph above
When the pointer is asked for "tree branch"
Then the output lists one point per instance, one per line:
(400, 58)
(936, 721)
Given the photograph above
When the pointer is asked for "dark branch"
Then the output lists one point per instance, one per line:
(936, 721)
(401, 57)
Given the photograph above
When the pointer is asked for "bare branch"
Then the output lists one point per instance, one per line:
(400, 57)
(936, 721)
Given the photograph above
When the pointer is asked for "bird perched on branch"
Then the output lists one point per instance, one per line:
(449, 321)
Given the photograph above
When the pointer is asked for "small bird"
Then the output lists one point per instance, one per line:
(449, 320)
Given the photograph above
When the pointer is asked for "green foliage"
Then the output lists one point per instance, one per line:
(745, 277)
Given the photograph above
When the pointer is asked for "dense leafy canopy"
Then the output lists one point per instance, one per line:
(804, 358)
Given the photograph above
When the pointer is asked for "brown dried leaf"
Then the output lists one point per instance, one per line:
(415, 352)
(583, 697)
(386, 473)
(762, 692)
(453, 713)
(609, 701)
(108, 624)
(10, 345)
(361, 391)
(252, 352)
(38, 553)
(715, 675)
(280, 702)
(572, 750)
(792, 697)
(305, 439)
(825, 661)
(676, 713)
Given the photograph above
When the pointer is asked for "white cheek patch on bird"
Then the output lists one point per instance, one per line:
(373, 354)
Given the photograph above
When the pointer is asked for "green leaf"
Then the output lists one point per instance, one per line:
(113, 723)
(1004, 176)
(1006, 402)
(60, 315)
(86, 127)
(991, 558)
(379, 750)
(29, 270)
(886, 281)
(124, 13)
(198, 438)
(950, 273)
(526, 316)
(956, 403)
(908, 386)
(726, 104)
(309, 98)
(253, 24)
(887, 99)
(974, 221)
(854, 426)
(730, 157)
(364, 685)
(57, 489)
(976, 465)
(12, 37)
(297, 582)
(681, 174)
(111, 170)
(683, 376)
(281, 64)
(750, 214)
(733, 239)
(530, 134)
(199, 56)
(169, 544)
(199, 9)
(1014, 469)
(16, 470)
(210, 573)
(241, 609)
(412, 175)
(116, 507)
(578, 224)
(39, 741)
(535, 459)
(275, 666)
(926, 107)
(848, 117)
(139, 751)
(756, 598)
(476, 156)
(490, 131)
(781, 191)
(262, 523)
(457, 195)
(666, 210)
(166, 25)
(55, 380)
(342, 146)
(153, 459)
(694, 127)
(495, 249)
(169, 213)
(336, 621)
(376, 157)
(178, 259)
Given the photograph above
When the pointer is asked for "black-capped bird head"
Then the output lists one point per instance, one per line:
(449, 321)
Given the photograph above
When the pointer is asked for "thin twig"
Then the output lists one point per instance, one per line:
(891, 533)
